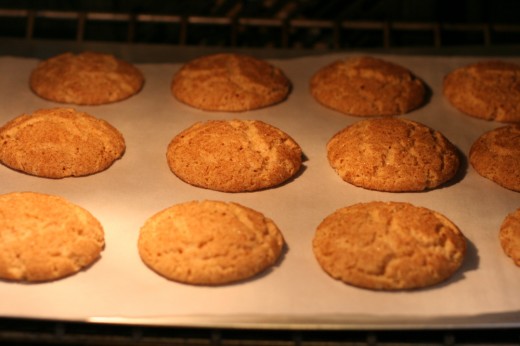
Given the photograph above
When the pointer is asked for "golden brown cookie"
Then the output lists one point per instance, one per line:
(487, 90)
(367, 86)
(495, 155)
(229, 83)
(59, 142)
(209, 242)
(45, 237)
(87, 78)
(234, 155)
(510, 236)
(391, 154)
(388, 246)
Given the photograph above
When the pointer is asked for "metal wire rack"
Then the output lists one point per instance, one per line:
(37, 332)
(269, 23)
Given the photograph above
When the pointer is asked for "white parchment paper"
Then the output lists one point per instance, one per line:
(296, 292)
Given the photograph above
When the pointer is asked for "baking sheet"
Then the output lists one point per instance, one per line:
(296, 293)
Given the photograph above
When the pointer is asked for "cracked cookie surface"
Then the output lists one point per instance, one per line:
(390, 154)
(59, 142)
(209, 242)
(367, 86)
(388, 246)
(88, 78)
(230, 83)
(234, 155)
(495, 155)
(509, 236)
(45, 237)
(487, 90)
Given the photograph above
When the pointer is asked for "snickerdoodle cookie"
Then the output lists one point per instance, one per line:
(487, 90)
(392, 154)
(59, 142)
(209, 242)
(230, 83)
(495, 155)
(510, 236)
(367, 86)
(88, 78)
(45, 237)
(234, 155)
(388, 246)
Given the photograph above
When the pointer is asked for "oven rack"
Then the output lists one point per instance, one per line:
(237, 30)
(43, 332)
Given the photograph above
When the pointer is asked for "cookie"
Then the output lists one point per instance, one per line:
(388, 246)
(366, 86)
(229, 83)
(209, 242)
(45, 237)
(488, 90)
(509, 236)
(234, 155)
(391, 154)
(88, 78)
(495, 155)
(59, 142)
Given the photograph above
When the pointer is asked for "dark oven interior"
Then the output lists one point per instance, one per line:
(312, 24)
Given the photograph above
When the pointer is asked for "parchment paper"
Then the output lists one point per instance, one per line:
(295, 293)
